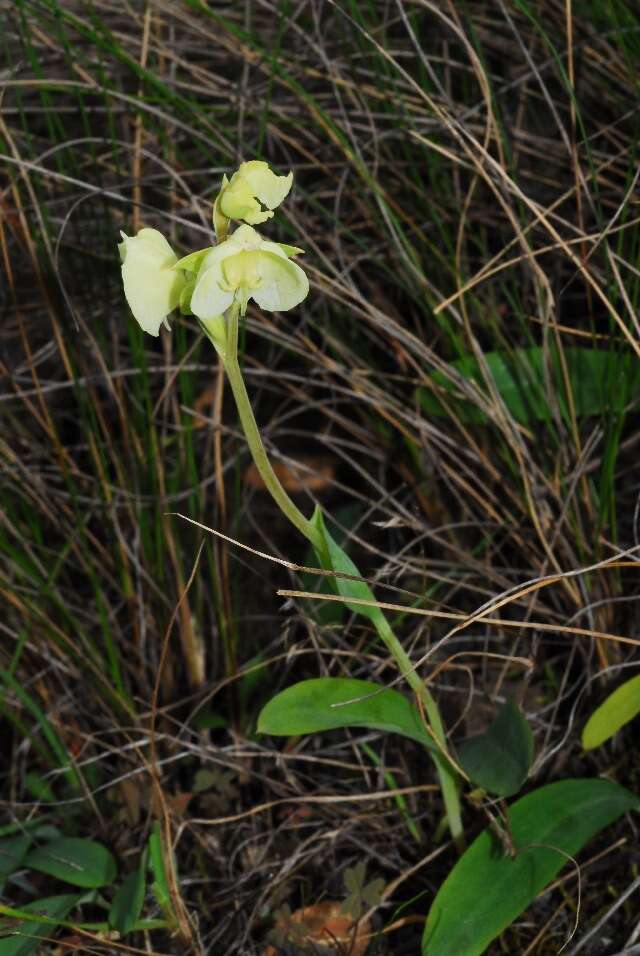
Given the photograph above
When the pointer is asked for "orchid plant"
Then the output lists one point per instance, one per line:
(215, 285)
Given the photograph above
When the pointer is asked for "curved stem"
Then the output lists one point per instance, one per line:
(228, 351)
(252, 434)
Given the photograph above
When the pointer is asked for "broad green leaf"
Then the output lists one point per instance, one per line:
(12, 853)
(27, 935)
(499, 759)
(487, 889)
(599, 380)
(617, 710)
(309, 706)
(128, 901)
(76, 861)
(333, 558)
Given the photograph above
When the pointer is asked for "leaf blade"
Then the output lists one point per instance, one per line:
(499, 759)
(129, 899)
(484, 892)
(618, 709)
(334, 558)
(28, 937)
(599, 380)
(314, 705)
(12, 853)
(79, 862)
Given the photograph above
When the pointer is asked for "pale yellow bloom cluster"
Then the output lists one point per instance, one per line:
(240, 267)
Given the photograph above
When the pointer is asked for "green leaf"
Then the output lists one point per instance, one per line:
(160, 885)
(50, 735)
(617, 710)
(76, 861)
(499, 759)
(333, 558)
(27, 935)
(329, 613)
(129, 899)
(360, 894)
(39, 788)
(487, 890)
(309, 706)
(599, 380)
(204, 780)
(19, 829)
(12, 853)
(207, 719)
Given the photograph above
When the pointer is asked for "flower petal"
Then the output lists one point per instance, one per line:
(247, 238)
(242, 271)
(151, 286)
(220, 221)
(284, 284)
(150, 245)
(273, 247)
(209, 298)
(269, 188)
(237, 202)
(151, 297)
(217, 253)
(252, 187)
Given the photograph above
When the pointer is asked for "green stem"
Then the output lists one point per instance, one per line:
(228, 350)
(254, 441)
(449, 781)
(447, 774)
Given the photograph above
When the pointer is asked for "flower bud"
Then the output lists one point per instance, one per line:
(252, 187)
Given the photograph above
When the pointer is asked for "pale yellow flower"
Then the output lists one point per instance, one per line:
(151, 285)
(246, 266)
(252, 193)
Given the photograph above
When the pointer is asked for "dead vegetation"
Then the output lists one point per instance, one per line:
(466, 184)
